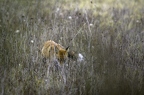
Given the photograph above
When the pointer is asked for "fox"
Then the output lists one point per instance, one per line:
(52, 50)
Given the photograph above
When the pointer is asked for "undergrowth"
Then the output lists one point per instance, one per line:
(110, 37)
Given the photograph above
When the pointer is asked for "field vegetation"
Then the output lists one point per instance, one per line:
(110, 37)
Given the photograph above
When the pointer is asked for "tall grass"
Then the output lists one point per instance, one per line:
(111, 39)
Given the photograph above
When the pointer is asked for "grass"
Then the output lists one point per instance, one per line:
(110, 37)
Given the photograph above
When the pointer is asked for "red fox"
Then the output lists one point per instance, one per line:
(52, 51)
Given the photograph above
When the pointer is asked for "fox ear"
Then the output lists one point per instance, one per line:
(67, 48)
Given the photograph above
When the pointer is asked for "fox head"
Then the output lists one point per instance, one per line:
(62, 55)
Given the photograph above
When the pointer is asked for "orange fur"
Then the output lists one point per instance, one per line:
(52, 50)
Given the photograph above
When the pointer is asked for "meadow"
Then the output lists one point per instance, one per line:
(109, 34)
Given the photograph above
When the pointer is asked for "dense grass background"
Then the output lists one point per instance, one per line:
(110, 37)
